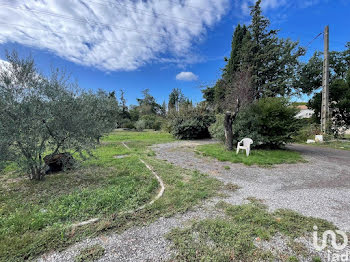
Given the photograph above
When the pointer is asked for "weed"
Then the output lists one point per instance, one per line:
(232, 238)
(231, 187)
(90, 254)
(292, 259)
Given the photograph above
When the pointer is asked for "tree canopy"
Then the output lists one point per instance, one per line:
(271, 61)
(47, 115)
(148, 104)
(309, 80)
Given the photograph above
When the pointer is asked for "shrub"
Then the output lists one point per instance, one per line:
(140, 125)
(192, 123)
(126, 123)
(157, 125)
(190, 128)
(307, 132)
(270, 122)
(217, 129)
(152, 122)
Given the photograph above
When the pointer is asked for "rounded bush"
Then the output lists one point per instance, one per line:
(192, 124)
(270, 122)
(140, 125)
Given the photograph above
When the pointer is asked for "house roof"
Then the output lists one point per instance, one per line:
(302, 107)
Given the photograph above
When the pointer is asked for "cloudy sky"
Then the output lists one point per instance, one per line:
(155, 44)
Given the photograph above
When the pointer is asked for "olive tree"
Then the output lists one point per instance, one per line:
(239, 94)
(47, 115)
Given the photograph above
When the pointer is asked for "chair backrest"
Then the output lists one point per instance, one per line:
(247, 141)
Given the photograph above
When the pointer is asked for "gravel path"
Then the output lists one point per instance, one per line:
(319, 188)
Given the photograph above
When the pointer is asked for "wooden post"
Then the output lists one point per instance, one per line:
(325, 84)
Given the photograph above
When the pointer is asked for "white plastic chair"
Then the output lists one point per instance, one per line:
(246, 145)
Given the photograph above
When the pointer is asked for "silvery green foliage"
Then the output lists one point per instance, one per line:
(217, 129)
(140, 125)
(41, 115)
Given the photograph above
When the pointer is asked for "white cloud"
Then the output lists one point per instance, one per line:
(123, 35)
(186, 76)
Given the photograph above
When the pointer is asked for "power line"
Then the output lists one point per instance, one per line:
(177, 2)
(191, 6)
(338, 42)
(86, 20)
(180, 20)
(313, 40)
(64, 33)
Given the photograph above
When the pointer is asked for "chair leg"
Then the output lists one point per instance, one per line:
(237, 151)
(247, 151)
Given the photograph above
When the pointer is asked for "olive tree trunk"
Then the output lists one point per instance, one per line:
(37, 173)
(228, 121)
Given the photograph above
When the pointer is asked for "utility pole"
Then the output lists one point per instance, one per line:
(325, 84)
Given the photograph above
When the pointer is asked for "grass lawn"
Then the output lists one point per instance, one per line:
(232, 238)
(257, 156)
(36, 217)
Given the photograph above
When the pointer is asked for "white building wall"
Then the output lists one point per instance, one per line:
(305, 113)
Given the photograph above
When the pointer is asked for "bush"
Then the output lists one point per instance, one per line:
(270, 122)
(217, 129)
(307, 132)
(140, 125)
(191, 124)
(152, 122)
(126, 123)
(158, 125)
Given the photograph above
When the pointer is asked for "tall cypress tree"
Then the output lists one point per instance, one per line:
(233, 65)
(235, 60)
(273, 61)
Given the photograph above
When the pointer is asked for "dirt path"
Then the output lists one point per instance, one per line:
(319, 188)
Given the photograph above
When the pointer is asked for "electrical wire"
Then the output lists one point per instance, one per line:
(190, 6)
(154, 14)
(307, 46)
(89, 21)
(64, 33)
(176, 2)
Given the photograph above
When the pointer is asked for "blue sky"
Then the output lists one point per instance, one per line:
(134, 45)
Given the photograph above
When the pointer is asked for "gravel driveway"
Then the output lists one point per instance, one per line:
(319, 188)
